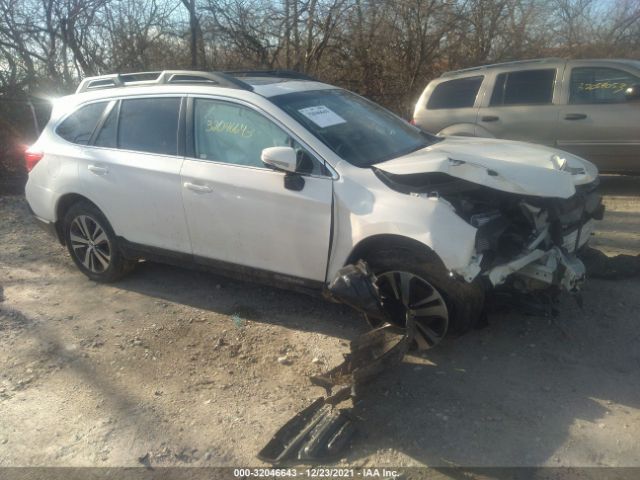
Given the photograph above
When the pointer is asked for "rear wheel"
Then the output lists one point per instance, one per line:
(418, 284)
(92, 244)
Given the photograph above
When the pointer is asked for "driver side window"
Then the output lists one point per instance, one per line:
(231, 133)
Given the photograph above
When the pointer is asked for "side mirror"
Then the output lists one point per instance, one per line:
(280, 158)
(632, 93)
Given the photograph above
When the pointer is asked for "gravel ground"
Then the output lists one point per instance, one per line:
(182, 367)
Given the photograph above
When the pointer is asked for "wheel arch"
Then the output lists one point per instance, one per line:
(373, 243)
(466, 129)
(62, 207)
(482, 132)
(465, 300)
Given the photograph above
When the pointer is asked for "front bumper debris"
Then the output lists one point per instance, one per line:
(539, 269)
(325, 428)
(527, 242)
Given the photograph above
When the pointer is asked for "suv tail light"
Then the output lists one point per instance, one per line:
(412, 121)
(31, 158)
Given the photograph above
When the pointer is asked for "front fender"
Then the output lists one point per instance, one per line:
(362, 213)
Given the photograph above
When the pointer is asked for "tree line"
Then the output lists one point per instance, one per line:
(384, 49)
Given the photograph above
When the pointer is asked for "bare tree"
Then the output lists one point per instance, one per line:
(196, 44)
(385, 49)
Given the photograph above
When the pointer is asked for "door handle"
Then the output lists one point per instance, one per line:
(198, 188)
(575, 116)
(490, 118)
(98, 170)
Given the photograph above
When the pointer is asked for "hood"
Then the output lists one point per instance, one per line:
(515, 167)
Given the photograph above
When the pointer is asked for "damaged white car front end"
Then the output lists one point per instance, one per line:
(533, 208)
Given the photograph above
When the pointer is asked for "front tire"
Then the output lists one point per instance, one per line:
(419, 283)
(93, 245)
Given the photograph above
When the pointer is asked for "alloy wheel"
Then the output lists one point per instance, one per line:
(405, 294)
(90, 243)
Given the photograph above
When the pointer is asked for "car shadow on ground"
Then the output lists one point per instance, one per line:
(248, 300)
(620, 185)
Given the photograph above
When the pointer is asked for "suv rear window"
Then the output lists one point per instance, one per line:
(149, 125)
(528, 87)
(78, 127)
(459, 93)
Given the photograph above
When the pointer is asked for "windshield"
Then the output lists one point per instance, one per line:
(356, 129)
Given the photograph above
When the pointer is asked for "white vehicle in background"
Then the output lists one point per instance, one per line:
(284, 179)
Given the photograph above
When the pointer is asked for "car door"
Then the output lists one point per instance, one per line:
(131, 170)
(521, 106)
(598, 122)
(239, 212)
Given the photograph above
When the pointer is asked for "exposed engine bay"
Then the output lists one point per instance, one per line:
(528, 241)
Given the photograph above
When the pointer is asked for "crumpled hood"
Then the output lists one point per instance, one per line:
(515, 167)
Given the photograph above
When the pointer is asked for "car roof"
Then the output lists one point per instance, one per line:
(526, 64)
(264, 83)
(238, 85)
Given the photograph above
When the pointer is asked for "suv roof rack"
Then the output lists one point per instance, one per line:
(503, 64)
(271, 73)
(165, 77)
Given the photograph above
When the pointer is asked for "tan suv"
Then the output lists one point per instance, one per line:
(588, 107)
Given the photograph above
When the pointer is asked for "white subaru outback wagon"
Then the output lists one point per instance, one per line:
(283, 179)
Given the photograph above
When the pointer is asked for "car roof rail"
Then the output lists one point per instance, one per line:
(164, 77)
(289, 74)
(503, 64)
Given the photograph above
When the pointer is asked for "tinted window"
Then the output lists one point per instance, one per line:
(230, 133)
(356, 129)
(529, 87)
(107, 136)
(599, 85)
(149, 125)
(78, 127)
(459, 93)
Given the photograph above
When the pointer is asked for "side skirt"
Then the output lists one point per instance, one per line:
(238, 272)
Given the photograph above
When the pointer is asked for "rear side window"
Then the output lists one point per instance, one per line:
(599, 85)
(149, 125)
(459, 93)
(529, 87)
(78, 127)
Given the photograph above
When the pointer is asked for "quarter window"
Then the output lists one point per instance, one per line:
(459, 93)
(599, 85)
(528, 87)
(78, 127)
(149, 125)
(230, 133)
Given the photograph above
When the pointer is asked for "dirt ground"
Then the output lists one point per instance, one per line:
(183, 366)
